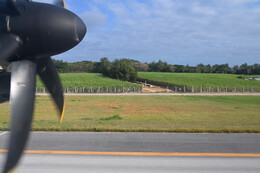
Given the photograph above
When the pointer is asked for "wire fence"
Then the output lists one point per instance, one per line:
(201, 89)
(95, 90)
(161, 89)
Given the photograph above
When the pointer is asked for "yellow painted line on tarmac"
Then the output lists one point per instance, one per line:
(101, 153)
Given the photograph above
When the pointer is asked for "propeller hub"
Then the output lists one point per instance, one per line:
(47, 30)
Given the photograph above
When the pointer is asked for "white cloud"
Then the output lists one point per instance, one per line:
(200, 9)
(184, 32)
(93, 19)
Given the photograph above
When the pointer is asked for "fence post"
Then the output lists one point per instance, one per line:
(176, 89)
(235, 89)
(201, 89)
(252, 89)
(44, 90)
(123, 90)
(243, 89)
(226, 89)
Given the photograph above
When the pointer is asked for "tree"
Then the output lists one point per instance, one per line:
(152, 67)
(244, 69)
(141, 67)
(256, 69)
(208, 69)
(200, 68)
(105, 66)
(160, 66)
(178, 68)
(123, 70)
(236, 69)
(61, 66)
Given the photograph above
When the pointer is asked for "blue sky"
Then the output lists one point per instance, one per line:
(175, 31)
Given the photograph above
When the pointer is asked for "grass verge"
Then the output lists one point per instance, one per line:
(190, 114)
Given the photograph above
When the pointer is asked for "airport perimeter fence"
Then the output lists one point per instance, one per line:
(161, 89)
(95, 90)
(202, 89)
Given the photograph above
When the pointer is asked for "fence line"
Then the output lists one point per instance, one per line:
(161, 89)
(95, 90)
(202, 89)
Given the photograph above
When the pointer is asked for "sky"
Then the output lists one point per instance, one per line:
(176, 31)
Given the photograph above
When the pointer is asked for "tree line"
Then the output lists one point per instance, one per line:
(117, 67)
(126, 69)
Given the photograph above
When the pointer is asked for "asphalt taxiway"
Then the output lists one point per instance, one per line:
(138, 152)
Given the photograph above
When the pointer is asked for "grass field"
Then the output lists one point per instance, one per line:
(94, 80)
(199, 79)
(147, 114)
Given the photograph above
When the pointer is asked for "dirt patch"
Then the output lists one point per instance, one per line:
(155, 89)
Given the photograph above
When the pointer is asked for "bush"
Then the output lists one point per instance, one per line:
(123, 70)
(119, 69)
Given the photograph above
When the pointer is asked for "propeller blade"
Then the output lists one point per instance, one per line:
(60, 3)
(15, 8)
(23, 81)
(9, 44)
(48, 74)
(5, 81)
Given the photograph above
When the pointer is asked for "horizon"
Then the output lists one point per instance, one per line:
(156, 62)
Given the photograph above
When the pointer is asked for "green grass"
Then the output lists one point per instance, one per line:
(147, 114)
(88, 80)
(199, 79)
(96, 80)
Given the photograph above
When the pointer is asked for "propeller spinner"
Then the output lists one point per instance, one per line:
(30, 33)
